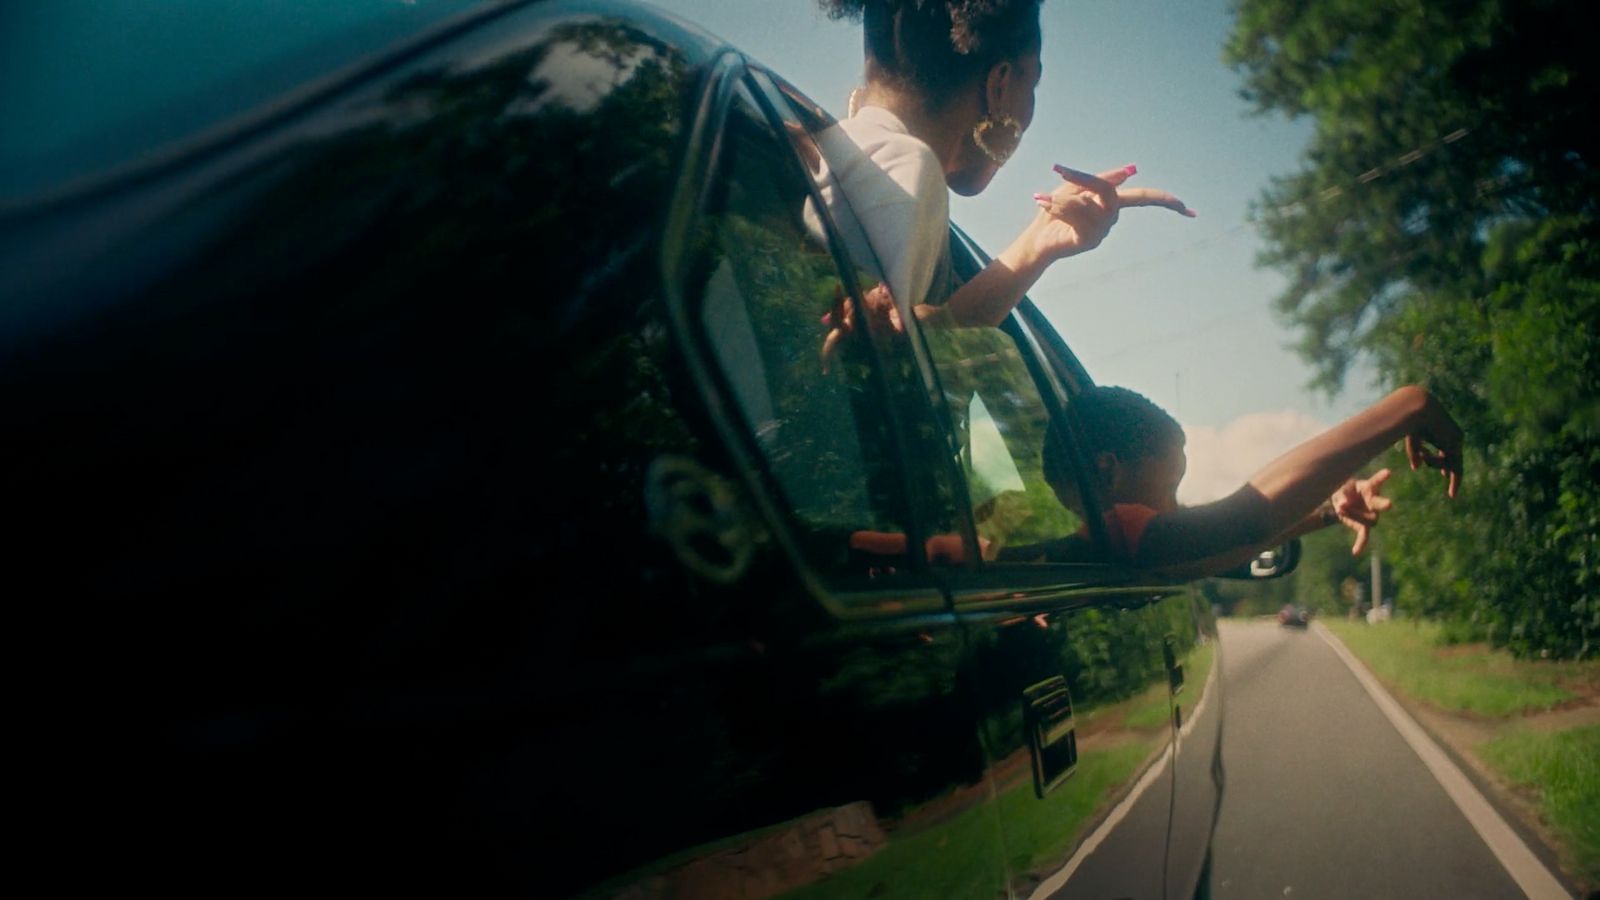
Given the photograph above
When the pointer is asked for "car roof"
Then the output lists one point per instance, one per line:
(90, 94)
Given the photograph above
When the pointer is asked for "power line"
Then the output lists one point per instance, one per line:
(1326, 194)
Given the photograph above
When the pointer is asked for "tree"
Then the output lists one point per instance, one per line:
(1444, 225)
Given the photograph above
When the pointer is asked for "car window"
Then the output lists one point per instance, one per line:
(1041, 362)
(770, 290)
(992, 425)
(1020, 486)
(930, 454)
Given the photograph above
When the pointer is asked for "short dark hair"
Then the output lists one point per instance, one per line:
(1115, 420)
(1125, 423)
(933, 48)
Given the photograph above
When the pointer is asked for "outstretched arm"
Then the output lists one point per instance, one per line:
(1195, 540)
(1355, 505)
(1075, 218)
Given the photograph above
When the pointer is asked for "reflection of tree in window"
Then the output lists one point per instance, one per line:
(766, 283)
(448, 201)
(1001, 423)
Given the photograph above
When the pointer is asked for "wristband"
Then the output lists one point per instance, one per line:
(1329, 516)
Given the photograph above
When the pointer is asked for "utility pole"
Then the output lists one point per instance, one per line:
(1377, 579)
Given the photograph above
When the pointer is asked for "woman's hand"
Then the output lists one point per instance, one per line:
(1075, 218)
(841, 320)
(1079, 214)
(1358, 503)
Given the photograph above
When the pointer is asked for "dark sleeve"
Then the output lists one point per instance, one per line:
(1194, 533)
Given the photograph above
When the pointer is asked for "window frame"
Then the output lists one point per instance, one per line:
(1027, 587)
(914, 591)
(779, 96)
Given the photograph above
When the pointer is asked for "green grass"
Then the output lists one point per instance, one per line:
(1197, 668)
(1465, 679)
(957, 858)
(1040, 833)
(1563, 768)
(960, 857)
(1151, 709)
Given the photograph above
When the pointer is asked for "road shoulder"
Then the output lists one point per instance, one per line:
(1506, 822)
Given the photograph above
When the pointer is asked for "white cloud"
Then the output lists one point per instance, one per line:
(1222, 459)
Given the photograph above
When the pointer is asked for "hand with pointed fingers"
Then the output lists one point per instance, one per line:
(1078, 215)
(1358, 504)
(1435, 442)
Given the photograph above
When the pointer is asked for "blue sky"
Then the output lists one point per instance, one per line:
(1172, 307)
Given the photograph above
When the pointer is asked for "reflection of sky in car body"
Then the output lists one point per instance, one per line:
(83, 82)
(585, 81)
(1171, 307)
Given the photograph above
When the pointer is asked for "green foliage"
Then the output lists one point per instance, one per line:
(1477, 680)
(984, 363)
(1516, 555)
(1039, 834)
(1445, 226)
(825, 455)
(959, 858)
(1564, 769)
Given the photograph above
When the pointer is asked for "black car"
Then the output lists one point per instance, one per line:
(431, 483)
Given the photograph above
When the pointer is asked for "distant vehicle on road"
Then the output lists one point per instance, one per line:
(1293, 615)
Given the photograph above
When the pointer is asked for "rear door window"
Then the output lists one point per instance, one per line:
(802, 360)
(1020, 485)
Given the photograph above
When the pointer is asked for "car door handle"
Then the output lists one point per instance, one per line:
(1169, 651)
(1052, 733)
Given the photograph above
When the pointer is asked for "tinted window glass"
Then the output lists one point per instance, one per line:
(813, 406)
(1022, 492)
(927, 464)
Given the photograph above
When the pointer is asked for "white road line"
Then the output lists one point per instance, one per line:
(1525, 869)
(1059, 879)
(1205, 695)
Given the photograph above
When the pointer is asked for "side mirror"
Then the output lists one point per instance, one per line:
(1274, 563)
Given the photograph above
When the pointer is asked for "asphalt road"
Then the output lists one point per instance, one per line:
(1324, 798)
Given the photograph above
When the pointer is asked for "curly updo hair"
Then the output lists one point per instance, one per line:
(934, 48)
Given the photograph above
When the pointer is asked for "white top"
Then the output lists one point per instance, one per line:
(895, 188)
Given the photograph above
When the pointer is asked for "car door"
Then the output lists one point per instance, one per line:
(571, 567)
(823, 725)
(1190, 656)
(1051, 648)
(1067, 646)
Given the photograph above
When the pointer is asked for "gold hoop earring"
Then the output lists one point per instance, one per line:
(982, 137)
(853, 104)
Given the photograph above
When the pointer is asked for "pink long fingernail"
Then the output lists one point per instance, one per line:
(1042, 198)
(1131, 169)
